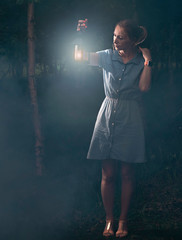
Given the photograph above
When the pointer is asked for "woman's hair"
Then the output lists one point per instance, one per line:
(135, 32)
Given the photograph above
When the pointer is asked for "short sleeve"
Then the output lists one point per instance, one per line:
(104, 58)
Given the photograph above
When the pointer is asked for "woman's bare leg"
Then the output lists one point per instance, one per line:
(107, 186)
(107, 191)
(127, 176)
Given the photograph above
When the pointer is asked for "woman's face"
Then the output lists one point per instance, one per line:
(121, 40)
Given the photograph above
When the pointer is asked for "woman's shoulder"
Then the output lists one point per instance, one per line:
(106, 51)
(105, 57)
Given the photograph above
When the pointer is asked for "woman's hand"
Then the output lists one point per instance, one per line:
(82, 25)
(146, 54)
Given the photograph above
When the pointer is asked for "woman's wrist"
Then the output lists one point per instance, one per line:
(148, 59)
(148, 62)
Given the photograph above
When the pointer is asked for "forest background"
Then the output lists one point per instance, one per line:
(67, 195)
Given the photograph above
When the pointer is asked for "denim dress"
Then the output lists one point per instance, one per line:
(119, 132)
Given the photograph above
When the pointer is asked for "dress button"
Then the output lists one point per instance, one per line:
(114, 111)
(112, 124)
(119, 79)
(117, 90)
(123, 69)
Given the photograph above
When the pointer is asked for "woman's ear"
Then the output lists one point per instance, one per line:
(143, 35)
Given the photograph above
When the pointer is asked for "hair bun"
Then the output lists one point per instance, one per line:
(143, 35)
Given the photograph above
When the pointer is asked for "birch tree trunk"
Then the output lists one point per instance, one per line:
(33, 92)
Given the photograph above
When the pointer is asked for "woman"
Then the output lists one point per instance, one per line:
(118, 134)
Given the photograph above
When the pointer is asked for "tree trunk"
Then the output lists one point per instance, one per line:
(33, 92)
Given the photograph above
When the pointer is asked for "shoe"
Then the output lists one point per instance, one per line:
(108, 231)
(122, 229)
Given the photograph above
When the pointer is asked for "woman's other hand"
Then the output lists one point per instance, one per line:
(146, 54)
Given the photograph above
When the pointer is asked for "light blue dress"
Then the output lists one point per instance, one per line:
(119, 131)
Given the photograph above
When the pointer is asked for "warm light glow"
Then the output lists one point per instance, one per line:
(78, 53)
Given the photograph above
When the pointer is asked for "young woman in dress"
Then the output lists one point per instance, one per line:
(118, 134)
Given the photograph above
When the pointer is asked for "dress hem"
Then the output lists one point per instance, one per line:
(89, 158)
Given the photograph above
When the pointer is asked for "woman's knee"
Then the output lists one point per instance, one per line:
(108, 172)
(108, 178)
(127, 172)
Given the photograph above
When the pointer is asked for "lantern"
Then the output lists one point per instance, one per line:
(81, 28)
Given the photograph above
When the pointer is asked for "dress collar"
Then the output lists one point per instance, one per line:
(117, 57)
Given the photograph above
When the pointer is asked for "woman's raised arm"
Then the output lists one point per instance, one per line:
(145, 78)
(91, 58)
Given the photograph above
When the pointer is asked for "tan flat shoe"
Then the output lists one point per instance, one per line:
(122, 229)
(108, 231)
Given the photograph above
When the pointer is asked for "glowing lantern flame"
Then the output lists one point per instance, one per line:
(78, 53)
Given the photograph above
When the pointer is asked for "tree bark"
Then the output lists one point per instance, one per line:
(33, 92)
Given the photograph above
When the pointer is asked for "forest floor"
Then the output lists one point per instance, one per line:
(154, 216)
(49, 210)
